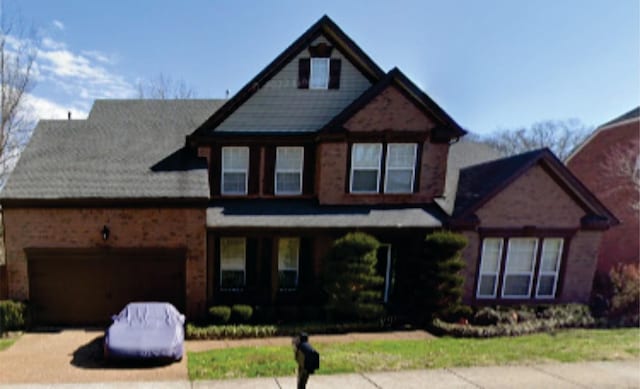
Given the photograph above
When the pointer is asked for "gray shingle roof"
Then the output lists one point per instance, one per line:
(462, 155)
(125, 149)
(306, 214)
(634, 113)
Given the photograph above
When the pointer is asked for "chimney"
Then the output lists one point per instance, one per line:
(69, 115)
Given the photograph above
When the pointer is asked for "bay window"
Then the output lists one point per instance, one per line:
(519, 267)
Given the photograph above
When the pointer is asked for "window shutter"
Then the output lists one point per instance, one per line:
(269, 169)
(334, 73)
(304, 72)
(309, 170)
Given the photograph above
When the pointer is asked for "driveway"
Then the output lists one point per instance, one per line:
(74, 356)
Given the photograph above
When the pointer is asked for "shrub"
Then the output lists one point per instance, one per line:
(241, 314)
(12, 315)
(625, 300)
(436, 284)
(220, 314)
(312, 313)
(354, 290)
(229, 332)
(513, 322)
(288, 313)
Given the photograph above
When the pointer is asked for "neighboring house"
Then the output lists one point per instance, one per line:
(119, 207)
(608, 162)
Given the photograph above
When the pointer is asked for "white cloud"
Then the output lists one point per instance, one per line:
(84, 74)
(58, 24)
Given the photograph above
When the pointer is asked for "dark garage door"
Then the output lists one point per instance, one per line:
(87, 286)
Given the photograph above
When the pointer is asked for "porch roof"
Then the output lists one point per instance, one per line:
(308, 214)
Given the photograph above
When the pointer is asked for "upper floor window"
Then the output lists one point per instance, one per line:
(519, 267)
(365, 167)
(288, 175)
(235, 170)
(319, 77)
(288, 260)
(401, 167)
(233, 255)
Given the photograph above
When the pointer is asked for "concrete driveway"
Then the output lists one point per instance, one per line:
(74, 356)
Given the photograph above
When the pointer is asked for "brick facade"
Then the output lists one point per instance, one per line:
(536, 199)
(620, 244)
(130, 228)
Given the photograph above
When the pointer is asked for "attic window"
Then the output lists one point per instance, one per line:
(319, 78)
(319, 73)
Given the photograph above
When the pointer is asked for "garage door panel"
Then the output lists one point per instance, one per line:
(81, 287)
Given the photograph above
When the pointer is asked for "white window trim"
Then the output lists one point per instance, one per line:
(297, 268)
(326, 86)
(555, 274)
(413, 167)
(379, 146)
(496, 273)
(299, 171)
(225, 170)
(530, 274)
(244, 269)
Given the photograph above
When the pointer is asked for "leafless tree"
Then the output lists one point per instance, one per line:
(164, 87)
(561, 136)
(18, 51)
(622, 163)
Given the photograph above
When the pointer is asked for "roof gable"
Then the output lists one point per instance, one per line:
(480, 183)
(396, 82)
(324, 28)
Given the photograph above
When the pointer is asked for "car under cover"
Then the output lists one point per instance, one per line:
(146, 330)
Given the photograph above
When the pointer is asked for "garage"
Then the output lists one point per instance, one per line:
(87, 286)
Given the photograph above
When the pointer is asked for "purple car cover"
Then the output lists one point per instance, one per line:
(146, 330)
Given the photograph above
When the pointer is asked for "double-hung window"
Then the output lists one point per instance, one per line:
(549, 268)
(365, 167)
(289, 164)
(288, 263)
(235, 170)
(233, 260)
(489, 268)
(401, 166)
(319, 75)
(519, 267)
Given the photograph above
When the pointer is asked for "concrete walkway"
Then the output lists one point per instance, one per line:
(619, 374)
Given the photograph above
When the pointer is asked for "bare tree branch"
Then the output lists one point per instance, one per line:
(622, 163)
(164, 87)
(561, 136)
(17, 59)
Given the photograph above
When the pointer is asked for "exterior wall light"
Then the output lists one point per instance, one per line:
(105, 233)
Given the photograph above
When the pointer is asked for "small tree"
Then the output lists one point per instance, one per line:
(354, 290)
(439, 284)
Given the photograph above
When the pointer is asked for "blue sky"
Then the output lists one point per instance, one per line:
(491, 64)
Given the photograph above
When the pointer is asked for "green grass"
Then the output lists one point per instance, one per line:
(562, 346)
(6, 343)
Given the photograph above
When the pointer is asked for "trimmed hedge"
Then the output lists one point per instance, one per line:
(13, 315)
(220, 314)
(217, 332)
(507, 322)
(241, 314)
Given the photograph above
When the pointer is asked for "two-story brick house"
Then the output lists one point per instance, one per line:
(120, 206)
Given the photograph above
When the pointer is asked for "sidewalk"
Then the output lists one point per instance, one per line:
(618, 374)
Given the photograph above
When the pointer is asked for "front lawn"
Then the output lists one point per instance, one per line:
(562, 346)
